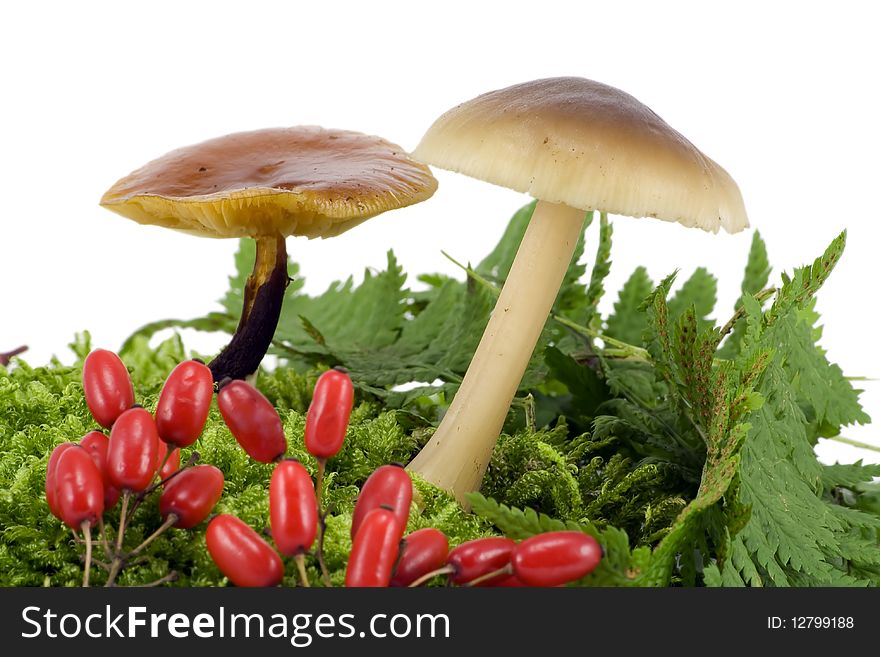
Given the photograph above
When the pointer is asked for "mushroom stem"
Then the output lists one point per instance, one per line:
(263, 296)
(457, 455)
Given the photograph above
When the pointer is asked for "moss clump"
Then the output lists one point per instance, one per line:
(43, 407)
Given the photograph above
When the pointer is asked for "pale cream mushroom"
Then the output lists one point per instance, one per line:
(575, 145)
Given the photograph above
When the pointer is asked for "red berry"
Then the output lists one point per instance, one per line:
(171, 464)
(134, 447)
(374, 550)
(555, 558)
(423, 551)
(328, 415)
(240, 553)
(480, 557)
(96, 444)
(107, 386)
(51, 479)
(184, 403)
(192, 495)
(293, 509)
(78, 489)
(389, 485)
(253, 421)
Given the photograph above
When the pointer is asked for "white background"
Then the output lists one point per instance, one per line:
(783, 95)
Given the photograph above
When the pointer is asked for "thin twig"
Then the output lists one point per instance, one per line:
(445, 570)
(169, 522)
(319, 552)
(170, 577)
(122, 519)
(87, 532)
(319, 481)
(115, 567)
(7, 356)
(108, 554)
(760, 297)
(301, 566)
(494, 575)
(193, 458)
(854, 443)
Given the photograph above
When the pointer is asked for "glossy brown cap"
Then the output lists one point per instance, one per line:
(280, 181)
(589, 146)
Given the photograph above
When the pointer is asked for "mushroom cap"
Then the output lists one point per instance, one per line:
(588, 145)
(304, 180)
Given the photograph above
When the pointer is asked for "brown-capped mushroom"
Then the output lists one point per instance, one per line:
(574, 145)
(269, 184)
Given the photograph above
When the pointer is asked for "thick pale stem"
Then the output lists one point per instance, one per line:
(458, 453)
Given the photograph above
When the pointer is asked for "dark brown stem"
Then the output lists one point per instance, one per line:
(263, 296)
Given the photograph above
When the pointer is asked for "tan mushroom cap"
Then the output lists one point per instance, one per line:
(588, 145)
(304, 180)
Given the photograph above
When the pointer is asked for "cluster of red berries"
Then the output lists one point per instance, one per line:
(296, 522)
(381, 555)
(142, 455)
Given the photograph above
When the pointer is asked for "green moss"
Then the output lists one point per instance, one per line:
(43, 407)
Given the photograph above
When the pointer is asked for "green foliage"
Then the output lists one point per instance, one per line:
(601, 268)
(796, 535)
(628, 322)
(496, 265)
(699, 292)
(755, 279)
(684, 447)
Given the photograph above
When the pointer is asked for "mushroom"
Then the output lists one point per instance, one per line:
(268, 184)
(575, 145)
